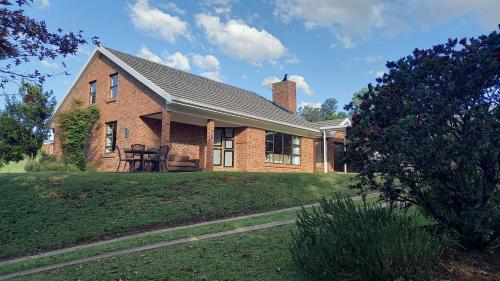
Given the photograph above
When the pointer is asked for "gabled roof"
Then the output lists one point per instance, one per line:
(332, 124)
(182, 86)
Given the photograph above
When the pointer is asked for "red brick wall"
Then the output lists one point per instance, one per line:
(188, 140)
(250, 154)
(132, 98)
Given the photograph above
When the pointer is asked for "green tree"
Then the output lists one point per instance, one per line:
(429, 132)
(310, 113)
(31, 108)
(10, 147)
(327, 111)
(25, 122)
(355, 101)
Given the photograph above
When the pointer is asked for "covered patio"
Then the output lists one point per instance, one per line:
(194, 140)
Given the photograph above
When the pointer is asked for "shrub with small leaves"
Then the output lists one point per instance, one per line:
(73, 131)
(345, 241)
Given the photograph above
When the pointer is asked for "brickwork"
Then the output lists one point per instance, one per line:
(132, 96)
(209, 156)
(284, 95)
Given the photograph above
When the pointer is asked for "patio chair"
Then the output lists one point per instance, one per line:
(161, 157)
(126, 158)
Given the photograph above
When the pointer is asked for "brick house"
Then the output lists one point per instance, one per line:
(211, 126)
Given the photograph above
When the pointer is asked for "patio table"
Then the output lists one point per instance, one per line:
(141, 152)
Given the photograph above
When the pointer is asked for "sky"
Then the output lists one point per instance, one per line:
(330, 48)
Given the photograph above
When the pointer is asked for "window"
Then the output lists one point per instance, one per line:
(110, 137)
(113, 91)
(282, 148)
(224, 147)
(92, 92)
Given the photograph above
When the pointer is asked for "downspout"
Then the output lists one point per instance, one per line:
(325, 162)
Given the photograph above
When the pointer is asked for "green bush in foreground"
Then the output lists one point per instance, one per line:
(49, 163)
(344, 241)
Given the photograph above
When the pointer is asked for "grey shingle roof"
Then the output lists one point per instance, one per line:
(328, 123)
(184, 85)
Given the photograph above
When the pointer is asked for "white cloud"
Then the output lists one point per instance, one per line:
(177, 60)
(157, 23)
(268, 81)
(208, 62)
(370, 59)
(214, 75)
(301, 84)
(299, 80)
(145, 53)
(377, 74)
(49, 64)
(220, 6)
(44, 3)
(354, 21)
(173, 7)
(309, 104)
(345, 41)
(237, 39)
(292, 60)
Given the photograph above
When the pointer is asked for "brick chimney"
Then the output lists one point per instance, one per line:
(284, 95)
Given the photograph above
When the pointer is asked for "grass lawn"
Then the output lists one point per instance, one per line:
(260, 255)
(41, 211)
(155, 238)
(14, 167)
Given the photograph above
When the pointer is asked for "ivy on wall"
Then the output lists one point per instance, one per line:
(74, 128)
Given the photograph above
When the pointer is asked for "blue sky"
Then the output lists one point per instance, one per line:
(331, 48)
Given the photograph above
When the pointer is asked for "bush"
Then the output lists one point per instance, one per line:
(49, 163)
(428, 133)
(345, 241)
(74, 128)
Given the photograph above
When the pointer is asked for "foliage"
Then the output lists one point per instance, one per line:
(24, 39)
(310, 113)
(355, 101)
(69, 208)
(48, 163)
(345, 241)
(32, 111)
(327, 111)
(429, 132)
(73, 130)
(10, 142)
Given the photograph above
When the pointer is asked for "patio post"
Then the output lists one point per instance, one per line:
(209, 163)
(325, 161)
(165, 127)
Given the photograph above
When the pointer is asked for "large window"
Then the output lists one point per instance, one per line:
(92, 91)
(224, 147)
(113, 89)
(110, 137)
(282, 148)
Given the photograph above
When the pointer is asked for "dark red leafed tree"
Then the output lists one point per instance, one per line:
(428, 133)
(24, 39)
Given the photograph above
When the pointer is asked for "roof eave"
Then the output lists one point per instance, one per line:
(239, 114)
